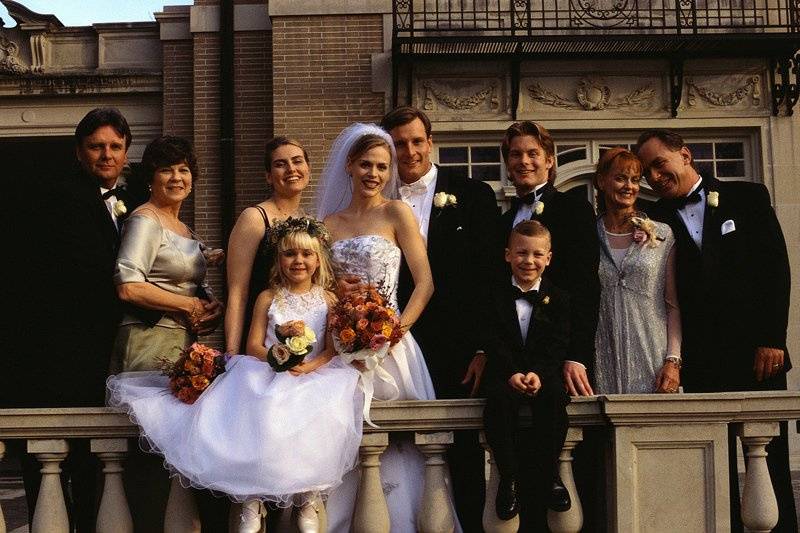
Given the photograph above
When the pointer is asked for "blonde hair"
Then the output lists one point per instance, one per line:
(302, 240)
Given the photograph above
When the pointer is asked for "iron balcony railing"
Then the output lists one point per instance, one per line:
(530, 18)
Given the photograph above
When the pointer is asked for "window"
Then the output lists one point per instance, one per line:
(480, 162)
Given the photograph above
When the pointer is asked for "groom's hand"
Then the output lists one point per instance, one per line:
(475, 373)
(576, 382)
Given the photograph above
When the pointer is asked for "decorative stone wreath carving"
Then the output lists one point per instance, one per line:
(592, 95)
(752, 86)
(459, 103)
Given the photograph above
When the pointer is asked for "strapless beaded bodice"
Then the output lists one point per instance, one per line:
(373, 258)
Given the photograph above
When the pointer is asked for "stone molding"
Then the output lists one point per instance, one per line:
(592, 94)
(246, 17)
(288, 8)
(721, 94)
(173, 23)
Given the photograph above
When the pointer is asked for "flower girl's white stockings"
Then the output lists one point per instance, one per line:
(250, 519)
(308, 517)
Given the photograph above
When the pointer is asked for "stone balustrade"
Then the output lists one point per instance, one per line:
(648, 436)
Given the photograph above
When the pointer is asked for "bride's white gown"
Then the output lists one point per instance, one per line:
(376, 260)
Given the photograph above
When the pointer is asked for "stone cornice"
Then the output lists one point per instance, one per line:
(289, 8)
(92, 82)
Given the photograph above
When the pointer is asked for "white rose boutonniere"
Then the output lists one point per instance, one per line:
(712, 199)
(442, 200)
(545, 300)
(119, 208)
(538, 207)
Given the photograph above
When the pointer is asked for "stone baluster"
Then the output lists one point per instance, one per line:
(50, 515)
(2, 519)
(491, 522)
(371, 513)
(114, 515)
(436, 513)
(181, 515)
(759, 506)
(570, 521)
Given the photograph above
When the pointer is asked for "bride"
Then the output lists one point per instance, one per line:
(372, 233)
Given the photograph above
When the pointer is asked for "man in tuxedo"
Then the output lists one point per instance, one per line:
(733, 289)
(70, 308)
(526, 328)
(457, 217)
(529, 154)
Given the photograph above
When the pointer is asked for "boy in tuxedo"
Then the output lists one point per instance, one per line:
(526, 337)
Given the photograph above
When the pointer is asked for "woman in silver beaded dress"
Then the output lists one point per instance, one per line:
(638, 337)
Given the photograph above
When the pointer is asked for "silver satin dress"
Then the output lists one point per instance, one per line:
(632, 330)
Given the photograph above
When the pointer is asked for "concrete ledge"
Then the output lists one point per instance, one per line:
(288, 8)
(246, 17)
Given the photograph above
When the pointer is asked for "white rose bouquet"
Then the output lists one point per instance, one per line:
(296, 341)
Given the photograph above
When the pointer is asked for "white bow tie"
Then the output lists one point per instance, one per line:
(418, 187)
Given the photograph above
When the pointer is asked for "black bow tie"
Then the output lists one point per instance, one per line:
(680, 203)
(112, 192)
(530, 296)
(528, 199)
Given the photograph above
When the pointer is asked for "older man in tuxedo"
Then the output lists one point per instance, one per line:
(733, 289)
(457, 217)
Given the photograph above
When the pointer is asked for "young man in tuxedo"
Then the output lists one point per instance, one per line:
(529, 154)
(457, 218)
(733, 289)
(526, 327)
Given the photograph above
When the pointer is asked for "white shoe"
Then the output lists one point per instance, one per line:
(308, 518)
(250, 519)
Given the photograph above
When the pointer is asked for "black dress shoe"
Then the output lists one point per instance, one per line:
(559, 497)
(506, 504)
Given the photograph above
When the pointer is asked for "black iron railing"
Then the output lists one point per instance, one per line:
(538, 18)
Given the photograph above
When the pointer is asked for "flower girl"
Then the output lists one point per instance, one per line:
(258, 433)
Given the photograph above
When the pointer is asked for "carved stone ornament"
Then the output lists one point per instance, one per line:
(9, 57)
(592, 95)
(459, 103)
(752, 86)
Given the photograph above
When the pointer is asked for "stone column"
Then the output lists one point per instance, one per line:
(114, 516)
(181, 515)
(491, 522)
(436, 513)
(2, 519)
(570, 521)
(371, 513)
(50, 515)
(759, 505)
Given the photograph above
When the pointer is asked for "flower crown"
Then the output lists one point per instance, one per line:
(309, 225)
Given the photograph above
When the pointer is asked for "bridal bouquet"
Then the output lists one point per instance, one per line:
(364, 328)
(195, 369)
(296, 340)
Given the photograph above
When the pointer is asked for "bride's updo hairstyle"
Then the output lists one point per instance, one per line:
(366, 143)
(303, 233)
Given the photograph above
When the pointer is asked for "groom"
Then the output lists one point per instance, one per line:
(457, 218)
(733, 289)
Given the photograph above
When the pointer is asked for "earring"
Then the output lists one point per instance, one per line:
(150, 188)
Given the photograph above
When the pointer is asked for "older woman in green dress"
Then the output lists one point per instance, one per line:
(161, 266)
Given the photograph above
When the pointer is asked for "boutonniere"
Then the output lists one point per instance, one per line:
(442, 200)
(539, 314)
(119, 208)
(545, 300)
(538, 207)
(712, 199)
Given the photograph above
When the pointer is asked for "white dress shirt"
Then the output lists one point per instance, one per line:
(419, 197)
(524, 308)
(525, 211)
(692, 216)
(110, 202)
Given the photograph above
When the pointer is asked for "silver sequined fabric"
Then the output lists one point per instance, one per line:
(631, 339)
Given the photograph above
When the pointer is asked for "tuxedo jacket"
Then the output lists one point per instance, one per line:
(71, 307)
(545, 345)
(576, 258)
(459, 250)
(734, 291)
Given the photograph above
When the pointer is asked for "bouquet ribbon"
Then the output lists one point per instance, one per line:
(371, 360)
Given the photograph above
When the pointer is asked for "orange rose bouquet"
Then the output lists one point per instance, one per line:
(195, 369)
(364, 327)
